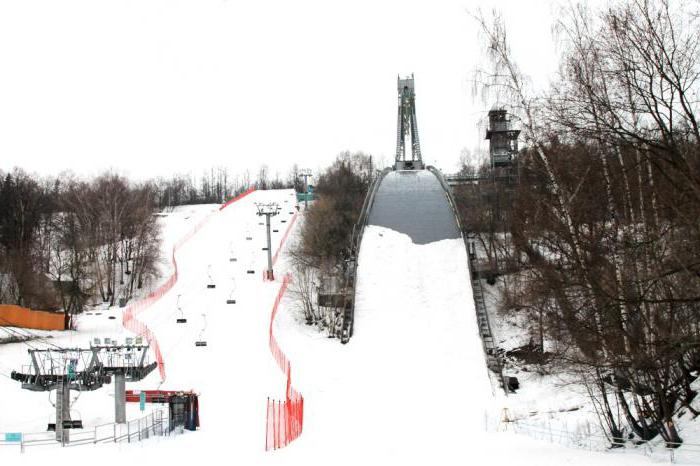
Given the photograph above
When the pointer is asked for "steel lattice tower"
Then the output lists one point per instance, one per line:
(407, 127)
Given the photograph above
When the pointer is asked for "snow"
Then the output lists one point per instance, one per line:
(411, 386)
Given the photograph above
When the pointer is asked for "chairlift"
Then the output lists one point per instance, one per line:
(283, 221)
(230, 299)
(275, 231)
(181, 319)
(73, 423)
(200, 340)
(232, 258)
(251, 268)
(248, 236)
(211, 281)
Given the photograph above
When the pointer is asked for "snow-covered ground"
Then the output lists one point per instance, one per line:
(551, 404)
(411, 387)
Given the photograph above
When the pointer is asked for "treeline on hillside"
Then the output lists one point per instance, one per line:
(323, 248)
(604, 225)
(65, 242)
(217, 185)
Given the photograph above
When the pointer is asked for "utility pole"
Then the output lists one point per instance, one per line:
(306, 174)
(268, 210)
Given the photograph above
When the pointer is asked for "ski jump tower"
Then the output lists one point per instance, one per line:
(407, 128)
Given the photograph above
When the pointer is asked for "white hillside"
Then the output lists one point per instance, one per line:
(410, 388)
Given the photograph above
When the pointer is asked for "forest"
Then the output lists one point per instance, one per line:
(597, 243)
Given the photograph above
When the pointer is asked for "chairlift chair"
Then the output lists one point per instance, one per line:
(211, 281)
(73, 423)
(230, 299)
(200, 340)
(181, 319)
(248, 236)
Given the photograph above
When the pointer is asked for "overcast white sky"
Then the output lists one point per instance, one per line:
(153, 87)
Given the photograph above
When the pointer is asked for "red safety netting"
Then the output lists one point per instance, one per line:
(285, 419)
(129, 320)
(284, 238)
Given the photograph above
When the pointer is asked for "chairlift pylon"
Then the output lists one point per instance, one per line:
(181, 319)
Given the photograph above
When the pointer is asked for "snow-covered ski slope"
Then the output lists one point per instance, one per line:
(234, 373)
(410, 388)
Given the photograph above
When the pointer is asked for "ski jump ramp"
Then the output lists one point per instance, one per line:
(413, 202)
(417, 387)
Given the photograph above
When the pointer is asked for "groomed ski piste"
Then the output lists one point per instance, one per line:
(411, 386)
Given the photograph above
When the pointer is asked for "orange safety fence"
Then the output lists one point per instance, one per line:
(284, 419)
(129, 320)
(284, 238)
(237, 198)
(268, 276)
(18, 316)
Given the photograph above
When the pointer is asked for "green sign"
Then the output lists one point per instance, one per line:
(71, 369)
